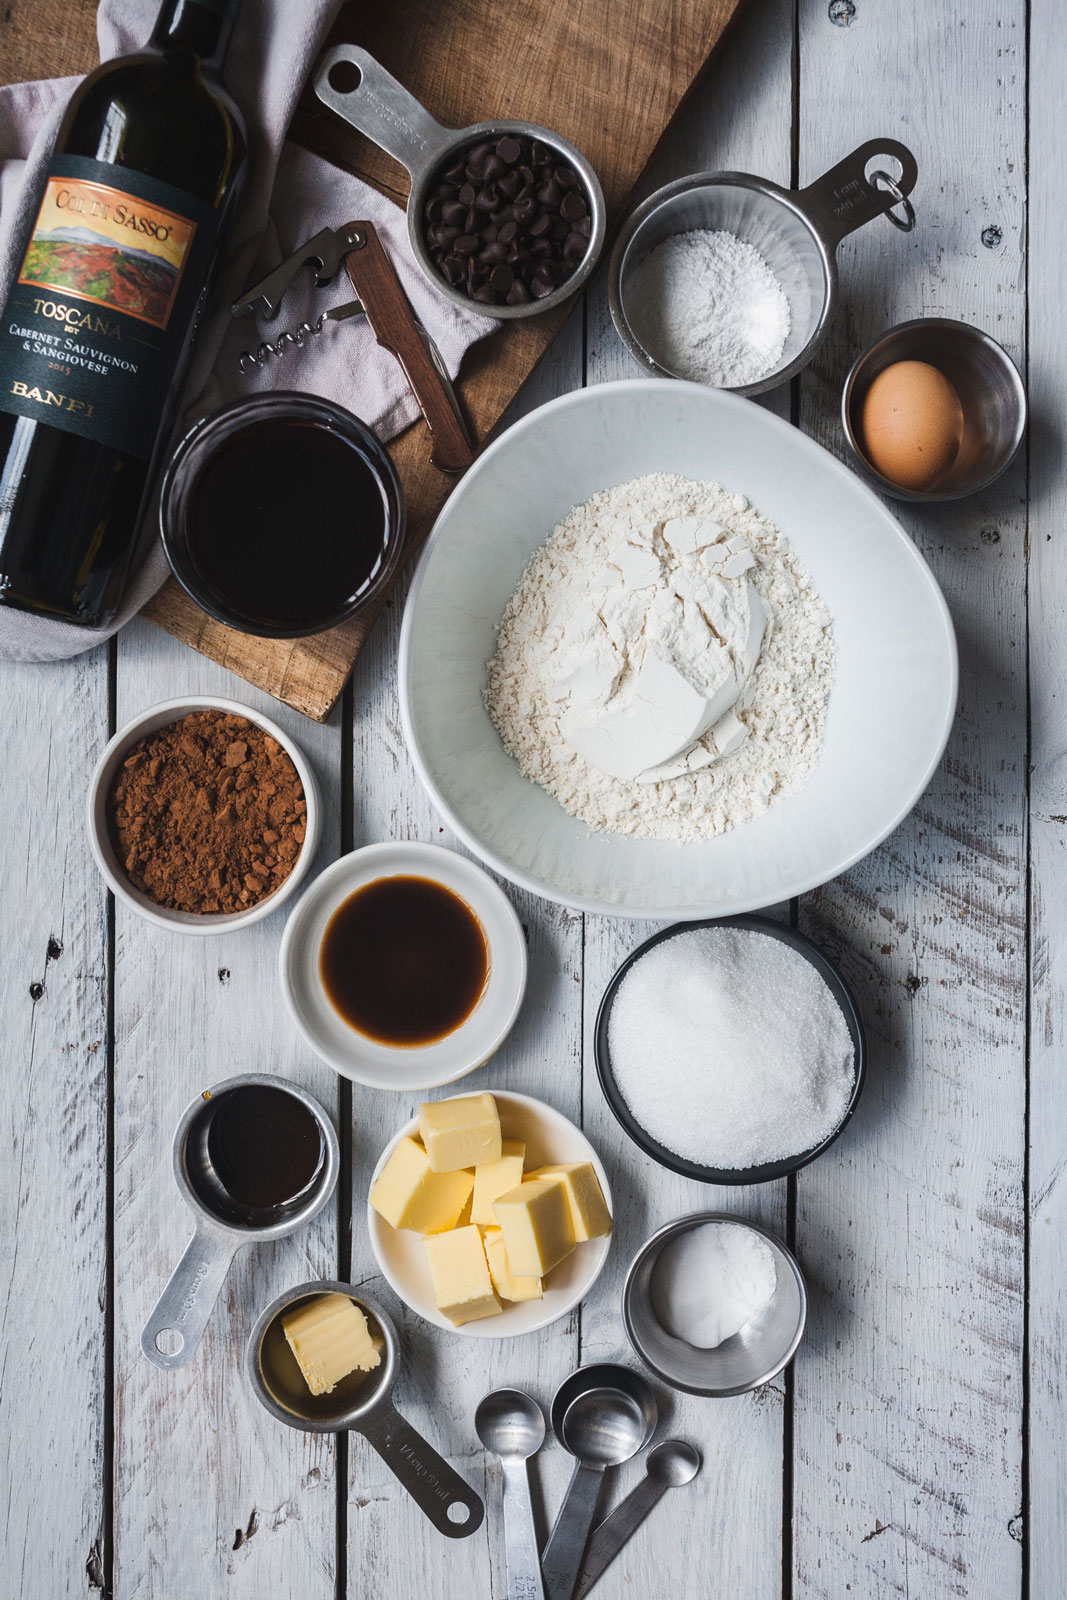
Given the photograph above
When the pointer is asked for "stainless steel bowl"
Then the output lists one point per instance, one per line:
(985, 378)
(796, 232)
(381, 108)
(749, 1358)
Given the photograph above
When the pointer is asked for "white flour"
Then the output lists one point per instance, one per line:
(783, 706)
(708, 307)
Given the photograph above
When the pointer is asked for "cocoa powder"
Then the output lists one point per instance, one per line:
(208, 814)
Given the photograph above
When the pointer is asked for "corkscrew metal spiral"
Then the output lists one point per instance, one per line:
(295, 338)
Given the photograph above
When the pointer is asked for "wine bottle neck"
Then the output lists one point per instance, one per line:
(201, 28)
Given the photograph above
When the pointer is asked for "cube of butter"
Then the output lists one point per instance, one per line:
(506, 1283)
(408, 1195)
(535, 1219)
(590, 1217)
(459, 1272)
(329, 1338)
(494, 1178)
(464, 1132)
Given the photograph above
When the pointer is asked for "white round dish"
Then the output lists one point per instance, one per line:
(401, 1255)
(150, 721)
(353, 1054)
(890, 709)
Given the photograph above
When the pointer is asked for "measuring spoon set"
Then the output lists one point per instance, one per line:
(602, 1415)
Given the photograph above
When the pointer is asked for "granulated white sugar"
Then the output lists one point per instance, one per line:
(730, 1049)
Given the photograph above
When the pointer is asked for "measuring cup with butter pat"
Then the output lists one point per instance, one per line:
(359, 1402)
(255, 1158)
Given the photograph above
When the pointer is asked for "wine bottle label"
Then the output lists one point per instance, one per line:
(102, 305)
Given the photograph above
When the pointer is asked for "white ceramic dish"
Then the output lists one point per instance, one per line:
(401, 1254)
(150, 721)
(894, 692)
(363, 1059)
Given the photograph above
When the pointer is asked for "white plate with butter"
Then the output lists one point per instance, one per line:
(401, 1253)
(890, 708)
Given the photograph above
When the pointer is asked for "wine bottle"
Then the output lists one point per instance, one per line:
(99, 323)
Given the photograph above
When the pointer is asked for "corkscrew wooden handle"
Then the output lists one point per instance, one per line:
(396, 330)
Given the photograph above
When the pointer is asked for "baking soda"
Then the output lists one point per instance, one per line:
(711, 1281)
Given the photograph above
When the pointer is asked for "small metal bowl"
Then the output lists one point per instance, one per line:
(990, 390)
(767, 1171)
(750, 1357)
(379, 106)
(796, 231)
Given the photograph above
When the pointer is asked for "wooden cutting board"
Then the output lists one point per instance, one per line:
(610, 75)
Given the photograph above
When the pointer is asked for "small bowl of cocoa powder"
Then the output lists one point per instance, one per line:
(203, 816)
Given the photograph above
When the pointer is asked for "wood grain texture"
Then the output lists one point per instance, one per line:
(468, 61)
(1046, 1515)
(54, 1136)
(909, 1388)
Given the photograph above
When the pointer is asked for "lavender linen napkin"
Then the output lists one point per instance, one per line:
(291, 195)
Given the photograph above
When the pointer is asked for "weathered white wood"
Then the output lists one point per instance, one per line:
(722, 1534)
(909, 1387)
(213, 1496)
(1046, 1515)
(53, 1132)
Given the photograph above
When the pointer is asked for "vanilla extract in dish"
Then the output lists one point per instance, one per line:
(287, 522)
(404, 961)
(264, 1145)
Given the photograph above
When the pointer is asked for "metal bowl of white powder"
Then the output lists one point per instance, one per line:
(731, 1051)
(730, 280)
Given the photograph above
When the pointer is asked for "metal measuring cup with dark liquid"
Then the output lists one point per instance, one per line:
(282, 515)
(255, 1158)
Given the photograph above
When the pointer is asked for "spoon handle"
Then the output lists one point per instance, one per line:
(608, 1539)
(520, 1535)
(566, 1545)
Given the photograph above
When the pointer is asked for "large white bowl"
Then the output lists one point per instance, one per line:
(401, 1254)
(894, 691)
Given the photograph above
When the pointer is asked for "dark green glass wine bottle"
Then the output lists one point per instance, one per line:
(99, 322)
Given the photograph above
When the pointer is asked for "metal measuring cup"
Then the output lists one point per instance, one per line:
(176, 1326)
(797, 233)
(360, 1404)
(382, 109)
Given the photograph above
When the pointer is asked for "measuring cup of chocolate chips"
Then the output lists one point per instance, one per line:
(504, 214)
(255, 1158)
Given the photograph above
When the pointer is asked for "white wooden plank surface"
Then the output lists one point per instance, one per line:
(909, 1387)
(53, 1134)
(903, 1427)
(1046, 1515)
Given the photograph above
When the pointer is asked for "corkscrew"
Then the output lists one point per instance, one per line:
(381, 299)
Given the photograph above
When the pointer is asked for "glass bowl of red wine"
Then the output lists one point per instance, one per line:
(282, 515)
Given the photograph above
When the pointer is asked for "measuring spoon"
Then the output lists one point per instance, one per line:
(359, 1403)
(603, 1415)
(512, 1425)
(669, 1466)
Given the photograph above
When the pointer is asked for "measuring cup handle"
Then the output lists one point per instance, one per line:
(616, 1531)
(188, 1300)
(382, 108)
(844, 198)
(428, 1479)
(566, 1545)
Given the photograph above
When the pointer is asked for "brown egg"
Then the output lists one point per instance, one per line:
(912, 424)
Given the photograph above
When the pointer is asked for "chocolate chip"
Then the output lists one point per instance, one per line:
(508, 220)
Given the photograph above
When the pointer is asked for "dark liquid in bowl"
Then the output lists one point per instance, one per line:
(286, 522)
(404, 961)
(265, 1146)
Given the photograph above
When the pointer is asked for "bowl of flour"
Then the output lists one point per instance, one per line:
(663, 656)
